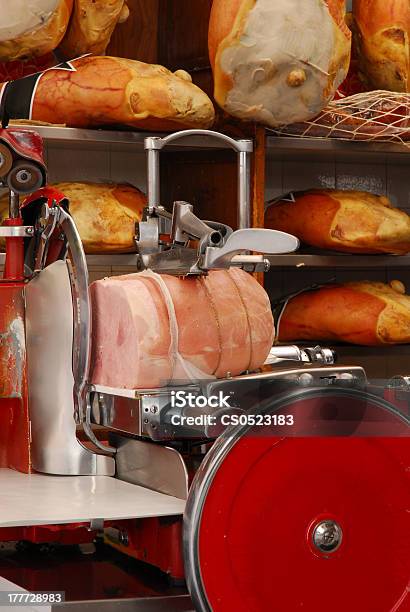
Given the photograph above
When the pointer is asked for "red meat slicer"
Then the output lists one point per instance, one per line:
(309, 489)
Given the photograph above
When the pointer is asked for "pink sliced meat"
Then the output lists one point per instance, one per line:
(223, 324)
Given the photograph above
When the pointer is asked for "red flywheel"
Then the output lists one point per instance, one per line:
(319, 523)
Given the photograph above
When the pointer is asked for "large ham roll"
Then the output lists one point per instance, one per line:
(278, 62)
(32, 27)
(91, 26)
(365, 313)
(104, 213)
(346, 221)
(149, 330)
(382, 36)
(95, 91)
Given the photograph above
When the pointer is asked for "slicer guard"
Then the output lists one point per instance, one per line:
(218, 246)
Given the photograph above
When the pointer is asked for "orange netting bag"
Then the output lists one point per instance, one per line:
(376, 115)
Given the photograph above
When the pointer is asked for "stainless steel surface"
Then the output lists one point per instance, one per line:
(316, 354)
(243, 148)
(279, 144)
(130, 260)
(218, 246)
(149, 413)
(186, 225)
(150, 465)
(14, 200)
(79, 280)
(400, 382)
(261, 240)
(339, 260)
(244, 190)
(153, 179)
(60, 134)
(51, 383)
(327, 536)
(16, 231)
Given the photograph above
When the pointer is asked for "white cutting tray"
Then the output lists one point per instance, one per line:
(37, 499)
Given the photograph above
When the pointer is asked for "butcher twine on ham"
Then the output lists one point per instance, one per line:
(278, 61)
(223, 325)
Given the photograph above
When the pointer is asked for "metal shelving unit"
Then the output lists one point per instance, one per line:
(335, 146)
(279, 146)
(107, 137)
(338, 260)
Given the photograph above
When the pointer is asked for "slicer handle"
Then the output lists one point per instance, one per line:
(243, 148)
(266, 241)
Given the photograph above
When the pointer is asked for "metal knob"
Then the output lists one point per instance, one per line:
(305, 379)
(327, 536)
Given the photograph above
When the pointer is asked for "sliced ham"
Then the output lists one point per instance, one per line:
(149, 330)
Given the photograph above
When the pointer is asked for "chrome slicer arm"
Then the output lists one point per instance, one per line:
(218, 247)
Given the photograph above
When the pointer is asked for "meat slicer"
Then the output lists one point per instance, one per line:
(272, 492)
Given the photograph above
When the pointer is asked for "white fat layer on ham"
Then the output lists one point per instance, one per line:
(281, 36)
(19, 17)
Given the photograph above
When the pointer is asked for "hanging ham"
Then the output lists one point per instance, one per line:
(382, 41)
(366, 313)
(346, 221)
(149, 331)
(32, 27)
(91, 26)
(278, 61)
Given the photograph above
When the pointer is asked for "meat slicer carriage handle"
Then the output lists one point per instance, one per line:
(243, 148)
(256, 239)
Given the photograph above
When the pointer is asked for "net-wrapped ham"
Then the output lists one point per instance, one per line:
(96, 90)
(376, 115)
(367, 313)
(91, 26)
(32, 27)
(278, 62)
(382, 36)
(149, 330)
(346, 221)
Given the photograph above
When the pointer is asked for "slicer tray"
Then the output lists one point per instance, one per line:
(38, 499)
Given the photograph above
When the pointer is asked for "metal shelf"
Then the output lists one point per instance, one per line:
(275, 144)
(277, 261)
(339, 260)
(287, 144)
(103, 261)
(59, 134)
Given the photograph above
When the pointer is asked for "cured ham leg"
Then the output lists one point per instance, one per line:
(278, 61)
(359, 313)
